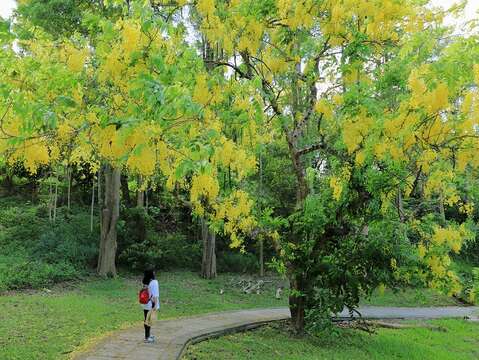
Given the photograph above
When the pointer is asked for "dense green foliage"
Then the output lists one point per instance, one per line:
(37, 253)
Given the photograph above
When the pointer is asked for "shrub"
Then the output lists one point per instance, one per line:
(162, 251)
(38, 253)
(237, 262)
(17, 272)
(70, 241)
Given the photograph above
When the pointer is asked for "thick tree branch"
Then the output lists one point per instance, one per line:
(310, 148)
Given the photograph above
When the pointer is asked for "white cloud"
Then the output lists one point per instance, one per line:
(470, 12)
(6, 7)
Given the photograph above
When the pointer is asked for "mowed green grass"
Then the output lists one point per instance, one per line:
(410, 297)
(457, 340)
(51, 325)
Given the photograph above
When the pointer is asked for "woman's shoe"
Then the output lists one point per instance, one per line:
(150, 340)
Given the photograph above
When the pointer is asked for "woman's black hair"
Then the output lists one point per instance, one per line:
(148, 275)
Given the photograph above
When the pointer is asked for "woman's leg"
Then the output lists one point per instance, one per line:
(147, 328)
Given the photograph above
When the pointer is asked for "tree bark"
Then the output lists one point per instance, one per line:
(92, 204)
(208, 264)
(100, 202)
(110, 215)
(400, 204)
(55, 202)
(261, 243)
(297, 304)
(261, 258)
(441, 208)
(125, 191)
(140, 194)
(50, 200)
(69, 179)
(297, 298)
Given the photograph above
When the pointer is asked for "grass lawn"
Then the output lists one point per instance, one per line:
(410, 297)
(459, 340)
(50, 325)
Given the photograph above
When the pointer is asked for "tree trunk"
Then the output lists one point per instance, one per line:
(50, 200)
(8, 183)
(69, 179)
(297, 304)
(125, 191)
(261, 258)
(110, 215)
(261, 243)
(441, 208)
(400, 206)
(208, 265)
(297, 297)
(100, 202)
(55, 202)
(140, 195)
(92, 204)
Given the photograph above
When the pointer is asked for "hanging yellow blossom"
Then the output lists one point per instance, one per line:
(144, 162)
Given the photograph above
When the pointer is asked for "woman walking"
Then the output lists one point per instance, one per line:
(153, 304)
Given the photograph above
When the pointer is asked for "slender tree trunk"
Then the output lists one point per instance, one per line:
(146, 201)
(125, 191)
(69, 179)
(261, 243)
(50, 200)
(8, 183)
(297, 298)
(297, 303)
(400, 206)
(441, 208)
(100, 203)
(208, 265)
(261, 258)
(140, 194)
(110, 215)
(55, 201)
(92, 204)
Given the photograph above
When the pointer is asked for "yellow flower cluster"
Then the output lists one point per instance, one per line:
(337, 186)
(74, 58)
(235, 211)
(131, 37)
(33, 153)
(201, 92)
(143, 162)
(337, 183)
(206, 7)
(250, 40)
(355, 130)
(324, 107)
(109, 142)
(434, 100)
(467, 208)
(203, 186)
(452, 237)
(437, 182)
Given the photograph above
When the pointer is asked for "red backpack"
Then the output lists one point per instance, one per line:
(144, 296)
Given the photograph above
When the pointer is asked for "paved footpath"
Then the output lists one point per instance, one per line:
(173, 336)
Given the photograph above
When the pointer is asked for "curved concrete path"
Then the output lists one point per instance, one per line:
(173, 336)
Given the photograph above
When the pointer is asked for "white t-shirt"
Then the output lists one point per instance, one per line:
(153, 291)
